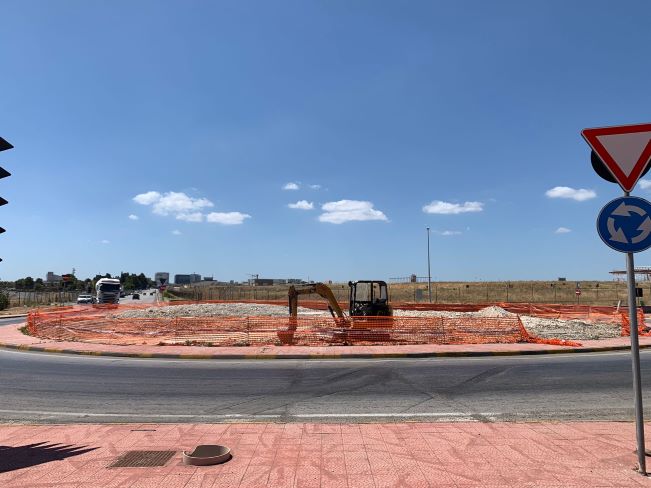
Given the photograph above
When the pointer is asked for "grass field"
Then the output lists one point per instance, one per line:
(592, 292)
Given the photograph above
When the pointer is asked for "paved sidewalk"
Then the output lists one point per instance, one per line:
(587, 454)
(12, 337)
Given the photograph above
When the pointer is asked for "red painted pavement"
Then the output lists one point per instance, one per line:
(582, 454)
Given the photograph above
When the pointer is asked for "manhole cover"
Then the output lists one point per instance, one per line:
(143, 459)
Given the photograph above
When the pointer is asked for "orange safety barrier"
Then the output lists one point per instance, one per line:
(100, 324)
(641, 327)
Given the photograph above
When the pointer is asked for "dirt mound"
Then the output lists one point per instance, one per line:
(215, 310)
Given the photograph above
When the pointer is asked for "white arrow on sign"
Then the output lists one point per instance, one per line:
(625, 210)
(616, 235)
(645, 227)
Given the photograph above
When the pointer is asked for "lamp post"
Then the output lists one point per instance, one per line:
(429, 274)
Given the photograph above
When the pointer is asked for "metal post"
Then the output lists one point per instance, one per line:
(429, 274)
(635, 353)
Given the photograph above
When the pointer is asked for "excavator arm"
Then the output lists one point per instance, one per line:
(319, 289)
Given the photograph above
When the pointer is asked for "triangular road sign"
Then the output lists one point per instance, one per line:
(4, 145)
(625, 150)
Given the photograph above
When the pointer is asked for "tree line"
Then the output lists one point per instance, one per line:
(129, 281)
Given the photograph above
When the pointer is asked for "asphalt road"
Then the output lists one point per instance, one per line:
(38, 387)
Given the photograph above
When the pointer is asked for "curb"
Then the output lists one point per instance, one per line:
(13, 316)
(396, 355)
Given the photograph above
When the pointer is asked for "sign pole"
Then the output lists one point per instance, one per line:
(635, 353)
(622, 155)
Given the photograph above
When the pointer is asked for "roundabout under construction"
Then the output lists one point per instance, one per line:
(266, 323)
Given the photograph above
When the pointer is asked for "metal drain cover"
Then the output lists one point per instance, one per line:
(143, 459)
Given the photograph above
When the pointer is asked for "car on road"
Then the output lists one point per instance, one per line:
(135, 296)
(85, 298)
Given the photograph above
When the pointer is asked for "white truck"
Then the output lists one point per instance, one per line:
(108, 290)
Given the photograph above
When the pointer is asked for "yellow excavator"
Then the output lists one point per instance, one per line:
(367, 298)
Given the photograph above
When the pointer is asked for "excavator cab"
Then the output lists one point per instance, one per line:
(369, 298)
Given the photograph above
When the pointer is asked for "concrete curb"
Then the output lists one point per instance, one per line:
(392, 355)
(13, 316)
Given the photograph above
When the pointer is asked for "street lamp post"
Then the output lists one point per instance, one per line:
(429, 274)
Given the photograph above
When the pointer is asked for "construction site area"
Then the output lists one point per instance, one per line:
(357, 313)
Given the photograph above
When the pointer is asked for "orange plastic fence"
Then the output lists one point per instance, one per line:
(641, 327)
(99, 324)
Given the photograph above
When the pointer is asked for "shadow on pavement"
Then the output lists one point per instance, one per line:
(12, 458)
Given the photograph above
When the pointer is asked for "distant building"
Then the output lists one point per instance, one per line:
(186, 279)
(161, 278)
(182, 279)
(53, 278)
(274, 281)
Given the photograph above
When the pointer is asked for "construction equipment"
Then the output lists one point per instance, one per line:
(319, 289)
(367, 298)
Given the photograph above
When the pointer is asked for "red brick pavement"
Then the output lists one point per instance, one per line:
(465, 454)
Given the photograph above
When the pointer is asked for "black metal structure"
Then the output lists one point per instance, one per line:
(369, 298)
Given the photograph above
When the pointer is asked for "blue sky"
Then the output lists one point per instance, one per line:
(193, 117)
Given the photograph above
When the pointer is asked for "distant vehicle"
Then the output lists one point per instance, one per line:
(135, 296)
(108, 290)
(122, 294)
(86, 298)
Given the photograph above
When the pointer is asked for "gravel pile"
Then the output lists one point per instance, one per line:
(215, 310)
(544, 328)
(536, 326)
(484, 312)
(569, 329)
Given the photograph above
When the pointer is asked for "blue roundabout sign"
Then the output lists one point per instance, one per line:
(624, 224)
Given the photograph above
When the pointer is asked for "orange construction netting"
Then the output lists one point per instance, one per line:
(100, 324)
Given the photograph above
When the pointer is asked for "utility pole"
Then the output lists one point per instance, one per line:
(429, 272)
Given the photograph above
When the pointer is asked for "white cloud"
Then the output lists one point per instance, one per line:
(133, 217)
(562, 230)
(291, 186)
(645, 184)
(315, 187)
(302, 205)
(227, 218)
(172, 203)
(190, 217)
(105, 241)
(176, 232)
(185, 208)
(348, 211)
(566, 192)
(450, 233)
(447, 208)
(147, 198)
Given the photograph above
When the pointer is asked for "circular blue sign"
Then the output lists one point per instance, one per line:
(624, 224)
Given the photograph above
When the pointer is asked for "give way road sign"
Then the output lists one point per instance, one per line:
(625, 150)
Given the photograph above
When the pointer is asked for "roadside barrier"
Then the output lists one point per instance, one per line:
(101, 324)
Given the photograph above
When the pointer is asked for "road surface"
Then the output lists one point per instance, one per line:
(38, 387)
